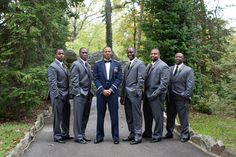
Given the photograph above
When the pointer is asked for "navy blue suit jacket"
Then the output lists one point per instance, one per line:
(100, 76)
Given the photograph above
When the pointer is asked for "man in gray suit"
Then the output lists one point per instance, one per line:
(156, 83)
(81, 79)
(131, 96)
(179, 94)
(58, 82)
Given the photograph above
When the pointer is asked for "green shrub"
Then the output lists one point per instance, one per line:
(22, 90)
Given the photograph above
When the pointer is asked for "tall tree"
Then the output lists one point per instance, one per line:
(108, 12)
(170, 26)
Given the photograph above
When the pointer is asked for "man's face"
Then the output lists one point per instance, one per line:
(131, 53)
(107, 53)
(179, 58)
(155, 55)
(59, 55)
(83, 54)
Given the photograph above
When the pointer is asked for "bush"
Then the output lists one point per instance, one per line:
(22, 90)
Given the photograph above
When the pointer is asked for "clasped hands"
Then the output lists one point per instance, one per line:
(107, 92)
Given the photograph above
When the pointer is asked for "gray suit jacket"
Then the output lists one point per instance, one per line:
(157, 79)
(133, 81)
(81, 78)
(58, 81)
(182, 83)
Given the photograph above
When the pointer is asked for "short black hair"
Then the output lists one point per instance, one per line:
(82, 49)
(57, 50)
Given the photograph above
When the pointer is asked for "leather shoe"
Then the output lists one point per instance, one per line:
(116, 142)
(129, 138)
(133, 142)
(168, 136)
(97, 141)
(154, 140)
(59, 141)
(184, 139)
(67, 138)
(81, 141)
(147, 135)
(86, 139)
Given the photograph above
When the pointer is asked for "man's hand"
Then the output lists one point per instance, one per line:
(122, 101)
(106, 92)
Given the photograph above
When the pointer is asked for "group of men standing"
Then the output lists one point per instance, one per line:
(152, 84)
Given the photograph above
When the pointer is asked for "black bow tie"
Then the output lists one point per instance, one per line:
(107, 61)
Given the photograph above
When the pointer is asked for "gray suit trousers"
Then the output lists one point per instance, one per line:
(61, 120)
(157, 113)
(82, 106)
(178, 104)
(134, 116)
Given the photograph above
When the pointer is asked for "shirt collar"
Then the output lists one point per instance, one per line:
(83, 61)
(58, 61)
(132, 61)
(179, 66)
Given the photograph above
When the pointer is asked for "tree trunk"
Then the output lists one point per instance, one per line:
(140, 24)
(135, 25)
(108, 11)
(74, 32)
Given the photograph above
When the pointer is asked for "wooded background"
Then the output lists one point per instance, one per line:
(31, 30)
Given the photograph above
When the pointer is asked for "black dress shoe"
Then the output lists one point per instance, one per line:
(147, 135)
(97, 141)
(184, 139)
(67, 138)
(116, 142)
(135, 142)
(129, 138)
(81, 141)
(168, 136)
(154, 140)
(59, 141)
(86, 139)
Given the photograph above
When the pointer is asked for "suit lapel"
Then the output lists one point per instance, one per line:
(111, 69)
(59, 65)
(104, 69)
(128, 70)
(179, 71)
(82, 63)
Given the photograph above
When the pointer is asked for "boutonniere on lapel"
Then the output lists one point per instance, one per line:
(179, 70)
(115, 69)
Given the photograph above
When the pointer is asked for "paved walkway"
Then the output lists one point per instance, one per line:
(43, 145)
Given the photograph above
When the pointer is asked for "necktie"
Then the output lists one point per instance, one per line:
(176, 70)
(86, 65)
(63, 65)
(129, 65)
(149, 69)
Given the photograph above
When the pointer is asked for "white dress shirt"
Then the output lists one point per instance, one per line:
(179, 67)
(108, 66)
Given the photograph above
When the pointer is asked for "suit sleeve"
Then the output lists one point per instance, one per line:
(97, 82)
(52, 82)
(141, 76)
(189, 85)
(74, 76)
(118, 80)
(164, 80)
(123, 85)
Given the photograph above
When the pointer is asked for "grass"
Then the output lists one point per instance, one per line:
(219, 127)
(10, 135)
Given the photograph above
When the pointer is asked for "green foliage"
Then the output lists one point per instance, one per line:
(22, 90)
(170, 26)
(10, 134)
(30, 32)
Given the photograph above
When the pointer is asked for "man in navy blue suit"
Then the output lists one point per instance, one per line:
(107, 77)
